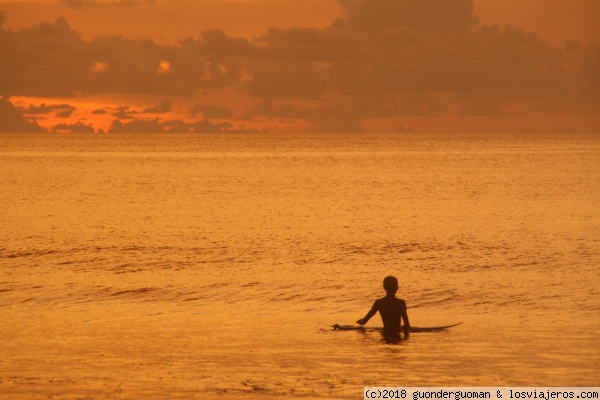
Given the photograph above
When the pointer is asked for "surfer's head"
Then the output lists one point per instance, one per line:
(390, 284)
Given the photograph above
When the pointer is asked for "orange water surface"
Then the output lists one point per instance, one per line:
(204, 266)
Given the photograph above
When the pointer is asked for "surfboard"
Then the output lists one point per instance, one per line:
(338, 327)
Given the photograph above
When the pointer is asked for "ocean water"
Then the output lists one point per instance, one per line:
(201, 266)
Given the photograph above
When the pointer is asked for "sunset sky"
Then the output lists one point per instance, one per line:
(300, 65)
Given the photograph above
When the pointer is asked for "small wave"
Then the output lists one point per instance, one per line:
(135, 292)
(26, 253)
(447, 299)
(436, 297)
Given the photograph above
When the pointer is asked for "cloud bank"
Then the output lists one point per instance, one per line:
(104, 3)
(380, 59)
(12, 120)
(422, 16)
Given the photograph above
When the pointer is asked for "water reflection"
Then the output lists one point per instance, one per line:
(394, 337)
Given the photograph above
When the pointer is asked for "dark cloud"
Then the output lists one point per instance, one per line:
(78, 127)
(52, 60)
(60, 110)
(136, 126)
(314, 45)
(162, 108)
(490, 62)
(33, 61)
(286, 79)
(369, 107)
(293, 63)
(124, 112)
(11, 119)
(211, 111)
(104, 3)
(206, 126)
(423, 16)
(174, 126)
(335, 118)
(589, 68)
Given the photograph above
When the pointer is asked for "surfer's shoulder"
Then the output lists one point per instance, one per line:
(379, 302)
(399, 302)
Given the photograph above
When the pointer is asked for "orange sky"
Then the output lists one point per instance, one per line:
(298, 65)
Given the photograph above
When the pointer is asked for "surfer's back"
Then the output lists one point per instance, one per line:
(392, 310)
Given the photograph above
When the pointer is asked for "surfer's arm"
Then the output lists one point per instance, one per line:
(367, 317)
(405, 318)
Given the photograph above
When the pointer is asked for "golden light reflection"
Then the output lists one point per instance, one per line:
(164, 67)
(99, 67)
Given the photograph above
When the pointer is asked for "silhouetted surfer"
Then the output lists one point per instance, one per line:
(391, 309)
